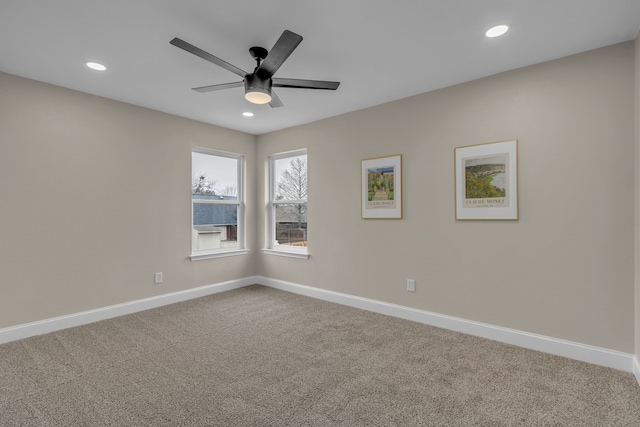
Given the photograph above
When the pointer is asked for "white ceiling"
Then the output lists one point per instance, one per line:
(379, 50)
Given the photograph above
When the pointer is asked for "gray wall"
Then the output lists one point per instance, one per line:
(95, 198)
(565, 269)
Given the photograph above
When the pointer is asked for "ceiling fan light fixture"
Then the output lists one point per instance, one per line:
(257, 96)
(257, 90)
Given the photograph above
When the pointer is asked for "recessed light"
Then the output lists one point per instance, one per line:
(96, 66)
(497, 31)
(247, 114)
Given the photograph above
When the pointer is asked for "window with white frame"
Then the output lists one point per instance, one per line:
(217, 226)
(288, 202)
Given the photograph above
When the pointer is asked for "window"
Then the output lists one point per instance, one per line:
(288, 204)
(217, 204)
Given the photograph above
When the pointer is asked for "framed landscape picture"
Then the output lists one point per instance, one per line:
(487, 181)
(382, 188)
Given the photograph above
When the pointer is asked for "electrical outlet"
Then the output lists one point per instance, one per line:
(157, 278)
(411, 285)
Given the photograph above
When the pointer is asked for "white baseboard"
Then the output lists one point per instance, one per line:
(63, 322)
(583, 352)
(587, 353)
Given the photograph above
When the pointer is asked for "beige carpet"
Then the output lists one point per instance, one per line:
(261, 357)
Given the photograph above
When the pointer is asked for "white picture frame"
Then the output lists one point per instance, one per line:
(486, 181)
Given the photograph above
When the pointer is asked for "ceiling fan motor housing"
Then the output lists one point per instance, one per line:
(255, 85)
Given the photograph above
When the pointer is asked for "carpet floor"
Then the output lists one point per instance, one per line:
(257, 356)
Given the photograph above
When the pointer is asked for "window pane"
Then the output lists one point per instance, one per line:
(214, 175)
(216, 199)
(215, 226)
(291, 224)
(290, 179)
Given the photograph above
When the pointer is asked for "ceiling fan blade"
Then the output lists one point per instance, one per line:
(211, 88)
(207, 56)
(280, 51)
(275, 101)
(305, 84)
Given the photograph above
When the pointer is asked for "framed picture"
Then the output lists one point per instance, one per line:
(487, 181)
(382, 188)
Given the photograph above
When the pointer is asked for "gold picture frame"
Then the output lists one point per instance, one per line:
(486, 181)
(381, 187)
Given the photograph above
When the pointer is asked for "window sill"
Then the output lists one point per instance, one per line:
(222, 254)
(288, 254)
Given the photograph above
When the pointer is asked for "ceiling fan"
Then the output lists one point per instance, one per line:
(259, 83)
